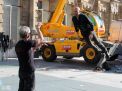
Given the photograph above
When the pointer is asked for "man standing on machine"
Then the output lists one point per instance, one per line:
(82, 23)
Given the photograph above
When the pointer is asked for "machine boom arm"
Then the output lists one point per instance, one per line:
(58, 11)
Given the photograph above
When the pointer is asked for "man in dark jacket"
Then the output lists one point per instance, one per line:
(25, 49)
(83, 24)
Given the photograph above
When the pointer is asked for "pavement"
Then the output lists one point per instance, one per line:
(63, 75)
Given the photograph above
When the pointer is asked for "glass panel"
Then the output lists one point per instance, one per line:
(6, 19)
(11, 2)
(7, 2)
(99, 20)
(39, 4)
(92, 20)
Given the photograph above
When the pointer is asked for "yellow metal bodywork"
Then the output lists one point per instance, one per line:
(68, 46)
(55, 29)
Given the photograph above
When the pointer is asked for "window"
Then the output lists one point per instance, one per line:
(99, 20)
(39, 4)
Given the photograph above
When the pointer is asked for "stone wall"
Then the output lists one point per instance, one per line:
(1, 15)
(11, 18)
(25, 12)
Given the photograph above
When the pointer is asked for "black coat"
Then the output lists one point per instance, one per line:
(83, 24)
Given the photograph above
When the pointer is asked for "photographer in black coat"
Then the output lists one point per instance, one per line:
(25, 48)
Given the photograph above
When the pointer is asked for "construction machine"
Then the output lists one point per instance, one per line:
(64, 40)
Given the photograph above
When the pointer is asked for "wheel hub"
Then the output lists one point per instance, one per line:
(47, 52)
(90, 53)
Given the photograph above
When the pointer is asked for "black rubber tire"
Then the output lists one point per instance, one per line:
(96, 57)
(51, 51)
(37, 53)
(106, 66)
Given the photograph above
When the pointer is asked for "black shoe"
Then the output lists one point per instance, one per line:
(98, 69)
(113, 57)
(106, 66)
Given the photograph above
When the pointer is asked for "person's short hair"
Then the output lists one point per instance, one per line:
(24, 31)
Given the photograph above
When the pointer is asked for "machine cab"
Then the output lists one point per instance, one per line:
(98, 23)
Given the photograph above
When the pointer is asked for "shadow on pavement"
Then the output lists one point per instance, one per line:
(65, 64)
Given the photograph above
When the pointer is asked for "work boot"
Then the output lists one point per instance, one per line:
(98, 69)
(106, 66)
(112, 58)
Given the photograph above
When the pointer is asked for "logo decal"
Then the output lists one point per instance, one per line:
(70, 32)
(66, 47)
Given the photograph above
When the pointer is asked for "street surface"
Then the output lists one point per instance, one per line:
(63, 75)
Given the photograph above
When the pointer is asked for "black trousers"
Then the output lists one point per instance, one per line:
(27, 81)
(97, 42)
(94, 38)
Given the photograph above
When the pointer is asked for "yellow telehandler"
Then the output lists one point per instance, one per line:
(64, 39)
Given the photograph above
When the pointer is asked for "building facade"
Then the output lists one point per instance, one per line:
(14, 13)
(10, 18)
(1, 15)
